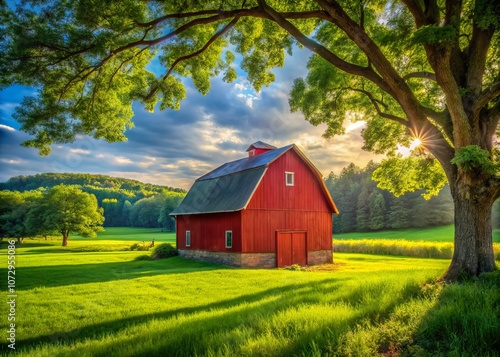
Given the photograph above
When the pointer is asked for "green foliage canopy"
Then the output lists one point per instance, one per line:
(388, 63)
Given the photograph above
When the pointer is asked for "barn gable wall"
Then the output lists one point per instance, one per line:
(272, 193)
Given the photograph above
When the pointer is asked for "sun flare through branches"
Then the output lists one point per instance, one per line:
(406, 151)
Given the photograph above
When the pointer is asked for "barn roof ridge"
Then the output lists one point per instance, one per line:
(246, 163)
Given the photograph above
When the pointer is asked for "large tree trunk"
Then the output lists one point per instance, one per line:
(473, 252)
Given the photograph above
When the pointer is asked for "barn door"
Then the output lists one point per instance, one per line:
(291, 248)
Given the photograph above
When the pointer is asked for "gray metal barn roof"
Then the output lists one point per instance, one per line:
(226, 193)
(229, 187)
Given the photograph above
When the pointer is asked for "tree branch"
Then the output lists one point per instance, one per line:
(254, 12)
(423, 74)
(122, 64)
(375, 104)
(398, 88)
(219, 34)
(486, 96)
(138, 43)
(416, 11)
(477, 53)
(431, 11)
(317, 48)
(452, 17)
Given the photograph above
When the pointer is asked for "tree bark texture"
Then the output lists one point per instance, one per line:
(473, 245)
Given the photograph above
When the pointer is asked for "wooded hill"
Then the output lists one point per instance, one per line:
(126, 202)
(48, 180)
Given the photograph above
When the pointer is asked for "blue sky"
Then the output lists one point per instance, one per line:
(173, 148)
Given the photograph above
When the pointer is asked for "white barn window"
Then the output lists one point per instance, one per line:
(290, 178)
(188, 238)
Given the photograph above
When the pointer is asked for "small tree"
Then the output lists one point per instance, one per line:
(67, 209)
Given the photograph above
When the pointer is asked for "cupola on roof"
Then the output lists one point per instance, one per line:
(259, 147)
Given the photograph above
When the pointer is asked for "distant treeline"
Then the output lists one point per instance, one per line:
(364, 207)
(126, 202)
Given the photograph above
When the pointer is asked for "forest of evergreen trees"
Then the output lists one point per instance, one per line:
(364, 207)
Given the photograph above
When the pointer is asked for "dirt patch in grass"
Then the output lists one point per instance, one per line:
(325, 267)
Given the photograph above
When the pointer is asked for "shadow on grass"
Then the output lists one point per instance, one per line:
(62, 275)
(76, 250)
(465, 320)
(201, 330)
(26, 244)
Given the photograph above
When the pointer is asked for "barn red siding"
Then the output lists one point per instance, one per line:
(259, 228)
(272, 193)
(208, 231)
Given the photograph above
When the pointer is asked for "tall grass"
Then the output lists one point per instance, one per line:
(422, 249)
(447, 320)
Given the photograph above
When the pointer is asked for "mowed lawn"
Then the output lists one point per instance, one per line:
(93, 298)
(112, 239)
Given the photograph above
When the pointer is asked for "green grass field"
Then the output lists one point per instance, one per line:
(93, 298)
(435, 234)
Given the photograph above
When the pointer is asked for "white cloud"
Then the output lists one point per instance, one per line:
(240, 87)
(120, 160)
(80, 151)
(6, 127)
(243, 90)
(354, 126)
(174, 148)
(11, 162)
(146, 162)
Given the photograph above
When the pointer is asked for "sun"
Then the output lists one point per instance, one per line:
(415, 143)
(406, 151)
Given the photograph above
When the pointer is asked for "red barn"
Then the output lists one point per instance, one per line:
(269, 209)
